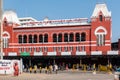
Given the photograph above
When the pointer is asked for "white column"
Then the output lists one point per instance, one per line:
(21, 65)
(6, 42)
(1, 29)
(43, 39)
(80, 37)
(68, 37)
(57, 38)
(32, 39)
(102, 39)
(22, 40)
(3, 41)
(99, 39)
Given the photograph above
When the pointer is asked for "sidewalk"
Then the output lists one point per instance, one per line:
(62, 75)
(24, 76)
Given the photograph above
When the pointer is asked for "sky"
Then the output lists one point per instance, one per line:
(64, 9)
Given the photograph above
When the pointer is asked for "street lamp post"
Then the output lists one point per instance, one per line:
(1, 30)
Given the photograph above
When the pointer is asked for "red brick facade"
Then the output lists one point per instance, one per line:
(82, 38)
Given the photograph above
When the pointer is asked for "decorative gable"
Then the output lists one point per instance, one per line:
(101, 8)
(10, 17)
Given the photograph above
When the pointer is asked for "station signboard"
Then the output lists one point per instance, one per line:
(5, 67)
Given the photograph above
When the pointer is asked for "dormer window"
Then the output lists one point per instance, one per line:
(100, 18)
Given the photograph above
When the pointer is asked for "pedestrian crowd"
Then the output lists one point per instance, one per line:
(48, 69)
(38, 69)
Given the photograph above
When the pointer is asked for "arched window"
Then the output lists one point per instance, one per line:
(65, 37)
(77, 37)
(30, 39)
(46, 38)
(54, 37)
(71, 38)
(20, 38)
(60, 37)
(83, 37)
(40, 38)
(24, 39)
(100, 33)
(35, 39)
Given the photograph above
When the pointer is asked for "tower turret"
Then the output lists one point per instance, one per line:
(101, 28)
(10, 17)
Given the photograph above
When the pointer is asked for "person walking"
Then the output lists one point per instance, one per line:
(40, 69)
(30, 69)
(16, 69)
(35, 68)
(46, 70)
(56, 68)
(50, 69)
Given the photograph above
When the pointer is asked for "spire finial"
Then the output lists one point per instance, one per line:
(100, 1)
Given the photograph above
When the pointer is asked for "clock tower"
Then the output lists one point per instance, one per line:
(101, 28)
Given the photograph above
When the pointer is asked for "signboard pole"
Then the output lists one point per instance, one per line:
(21, 65)
(1, 30)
